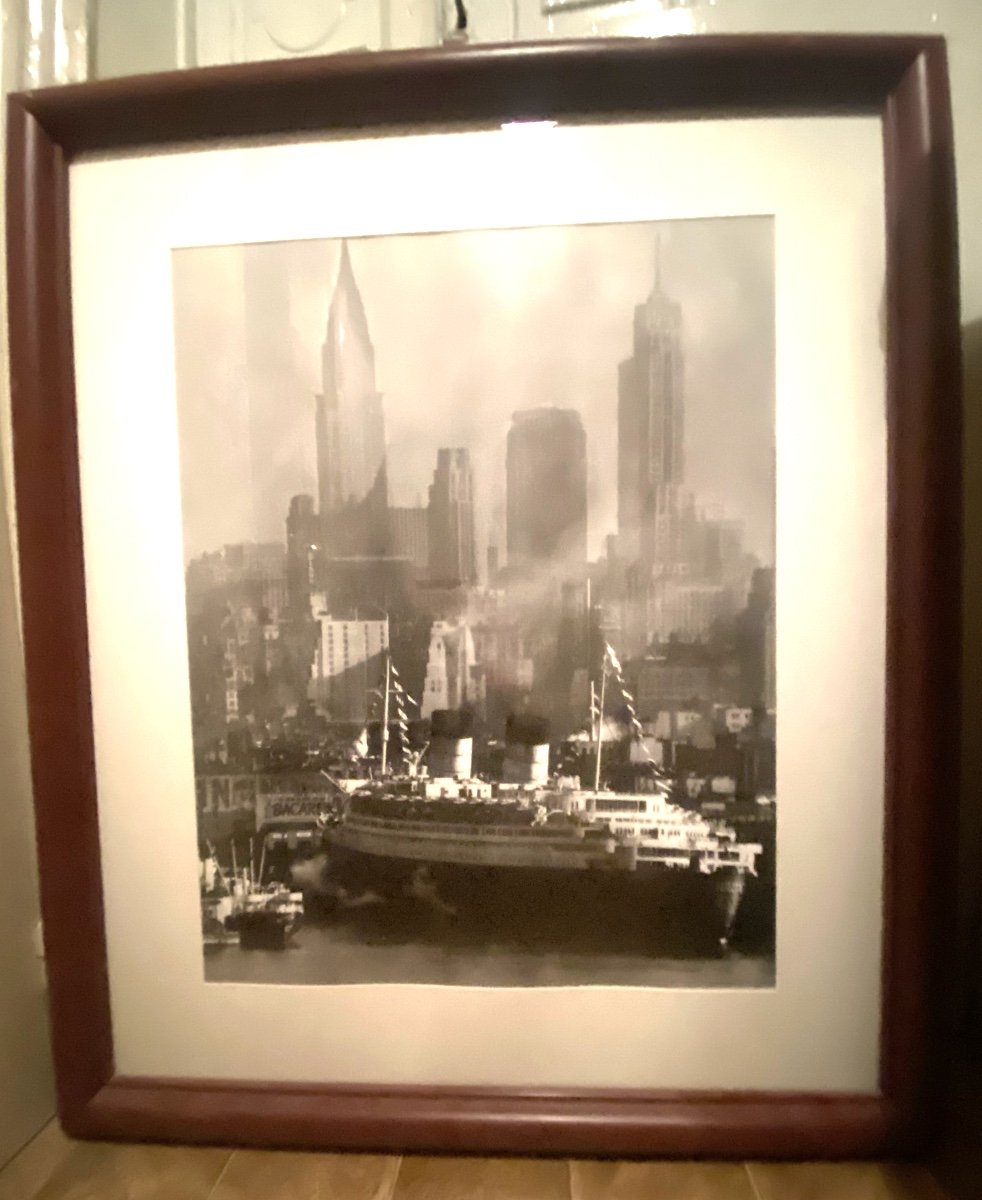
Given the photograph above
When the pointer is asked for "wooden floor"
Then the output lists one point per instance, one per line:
(54, 1168)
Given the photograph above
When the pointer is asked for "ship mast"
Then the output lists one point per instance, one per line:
(593, 711)
(385, 711)
(600, 724)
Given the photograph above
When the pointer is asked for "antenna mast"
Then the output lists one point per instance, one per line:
(385, 711)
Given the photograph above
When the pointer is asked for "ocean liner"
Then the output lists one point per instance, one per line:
(538, 859)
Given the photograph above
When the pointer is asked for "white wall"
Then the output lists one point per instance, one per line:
(133, 37)
(42, 41)
(26, 1087)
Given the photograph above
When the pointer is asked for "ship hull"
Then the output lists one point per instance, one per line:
(648, 910)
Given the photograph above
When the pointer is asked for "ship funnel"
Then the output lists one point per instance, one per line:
(451, 743)
(526, 750)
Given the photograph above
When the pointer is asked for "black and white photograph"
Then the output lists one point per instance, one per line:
(479, 552)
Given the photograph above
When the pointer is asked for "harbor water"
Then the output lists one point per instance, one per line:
(338, 954)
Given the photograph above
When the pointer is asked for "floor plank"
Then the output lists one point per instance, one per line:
(276, 1175)
(842, 1181)
(23, 1177)
(54, 1167)
(482, 1179)
(660, 1181)
(106, 1171)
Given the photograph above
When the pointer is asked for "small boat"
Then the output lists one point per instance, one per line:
(266, 920)
(215, 935)
(238, 910)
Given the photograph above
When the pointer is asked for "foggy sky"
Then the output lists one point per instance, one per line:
(468, 328)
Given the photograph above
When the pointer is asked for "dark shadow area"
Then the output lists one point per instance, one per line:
(959, 1159)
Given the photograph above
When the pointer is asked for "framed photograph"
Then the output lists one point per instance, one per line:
(436, 473)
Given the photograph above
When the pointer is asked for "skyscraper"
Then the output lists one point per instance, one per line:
(754, 630)
(348, 659)
(452, 554)
(453, 678)
(302, 549)
(278, 404)
(650, 415)
(350, 429)
(546, 484)
(409, 531)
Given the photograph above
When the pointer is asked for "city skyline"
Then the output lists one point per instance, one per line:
(500, 667)
(514, 618)
(285, 463)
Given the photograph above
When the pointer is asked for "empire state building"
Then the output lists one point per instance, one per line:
(350, 430)
(686, 570)
(650, 416)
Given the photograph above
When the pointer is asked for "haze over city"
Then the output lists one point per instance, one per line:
(467, 329)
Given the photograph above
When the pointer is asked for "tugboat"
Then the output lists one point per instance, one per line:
(241, 911)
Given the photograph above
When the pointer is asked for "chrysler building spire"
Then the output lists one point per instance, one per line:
(347, 319)
(350, 426)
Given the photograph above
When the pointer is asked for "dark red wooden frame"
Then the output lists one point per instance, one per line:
(904, 81)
